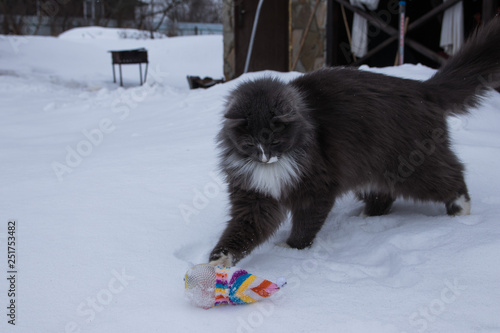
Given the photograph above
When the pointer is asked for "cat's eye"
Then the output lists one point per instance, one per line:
(275, 142)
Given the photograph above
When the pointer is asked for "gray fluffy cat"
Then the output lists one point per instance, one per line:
(295, 147)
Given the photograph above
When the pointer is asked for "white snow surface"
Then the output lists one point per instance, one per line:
(116, 193)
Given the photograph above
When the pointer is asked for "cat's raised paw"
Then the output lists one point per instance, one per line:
(225, 260)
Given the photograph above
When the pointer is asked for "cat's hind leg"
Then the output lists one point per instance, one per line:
(453, 190)
(376, 203)
(440, 182)
(459, 205)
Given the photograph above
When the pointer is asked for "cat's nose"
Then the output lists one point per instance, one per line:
(264, 158)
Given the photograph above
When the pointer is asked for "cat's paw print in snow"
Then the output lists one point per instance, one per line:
(423, 239)
(193, 253)
(386, 266)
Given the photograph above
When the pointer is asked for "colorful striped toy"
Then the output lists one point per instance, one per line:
(208, 286)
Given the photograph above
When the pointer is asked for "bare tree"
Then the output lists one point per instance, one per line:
(27, 16)
(14, 15)
(152, 13)
(206, 11)
(121, 10)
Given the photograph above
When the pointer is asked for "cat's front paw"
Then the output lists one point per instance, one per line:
(223, 259)
(299, 244)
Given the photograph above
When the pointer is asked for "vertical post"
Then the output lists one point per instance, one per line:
(140, 72)
(252, 37)
(402, 11)
(93, 12)
(121, 80)
(332, 33)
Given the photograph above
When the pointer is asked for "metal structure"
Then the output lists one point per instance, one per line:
(127, 57)
(489, 10)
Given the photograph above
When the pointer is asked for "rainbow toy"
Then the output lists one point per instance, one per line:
(208, 286)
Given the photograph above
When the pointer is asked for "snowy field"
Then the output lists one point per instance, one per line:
(115, 194)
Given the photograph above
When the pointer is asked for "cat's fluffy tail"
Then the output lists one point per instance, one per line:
(473, 70)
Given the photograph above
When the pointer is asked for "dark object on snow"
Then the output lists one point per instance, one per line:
(126, 57)
(207, 82)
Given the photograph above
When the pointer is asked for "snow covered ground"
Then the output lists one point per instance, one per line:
(115, 194)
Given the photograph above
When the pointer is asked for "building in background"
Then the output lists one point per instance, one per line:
(290, 35)
(303, 35)
(51, 17)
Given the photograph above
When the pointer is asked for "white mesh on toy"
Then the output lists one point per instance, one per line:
(200, 285)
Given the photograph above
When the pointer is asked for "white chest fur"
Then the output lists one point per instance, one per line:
(268, 178)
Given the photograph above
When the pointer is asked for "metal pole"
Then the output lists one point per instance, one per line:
(121, 79)
(402, 10)
(140, 72)
(252, 37)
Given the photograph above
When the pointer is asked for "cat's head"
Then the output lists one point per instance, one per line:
(265, 119)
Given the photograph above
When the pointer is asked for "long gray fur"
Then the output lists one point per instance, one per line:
(295, 147)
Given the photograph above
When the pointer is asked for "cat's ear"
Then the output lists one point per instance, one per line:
(234, 120)
(232, 123)
(289, 117)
